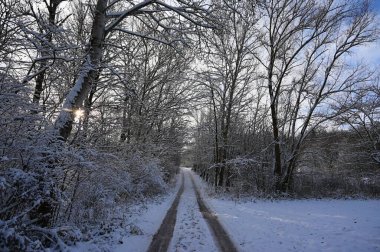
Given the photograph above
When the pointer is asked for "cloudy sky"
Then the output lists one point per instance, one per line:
(371, 54)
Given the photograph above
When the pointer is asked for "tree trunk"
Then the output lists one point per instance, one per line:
(223, 156)
(275, 127)
(216, 147)
(287, 180)
(87, 106)
(216, 178)
(277, 148)
(124, 122)
(52, 9)
(87, 74)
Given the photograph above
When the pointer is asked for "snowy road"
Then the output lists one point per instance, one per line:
(261, 225)
(162, 238)
(192, 232)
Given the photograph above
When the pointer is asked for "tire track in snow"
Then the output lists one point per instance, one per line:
(191, 233)
(220, 235)
(161, 239)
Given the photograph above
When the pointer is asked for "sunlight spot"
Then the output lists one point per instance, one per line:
(78, 114)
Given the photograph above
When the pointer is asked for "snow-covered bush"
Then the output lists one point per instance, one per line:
(94, 187)
(28, 188)
(51, 191)
(147, 173)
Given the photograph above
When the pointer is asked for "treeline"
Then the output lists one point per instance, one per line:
(289, 106)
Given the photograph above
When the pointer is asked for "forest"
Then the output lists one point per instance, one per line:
(101, 102)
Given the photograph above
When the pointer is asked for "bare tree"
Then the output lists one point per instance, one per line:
(305, 46)
(362, 115)
(101, 29)
(227, 74)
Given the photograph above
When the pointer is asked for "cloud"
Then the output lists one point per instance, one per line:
(369, 54)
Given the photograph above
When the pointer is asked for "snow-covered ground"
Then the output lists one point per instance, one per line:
(300, 225)
(286, 225)
(143, 222)
(191, 232)
(148, 223)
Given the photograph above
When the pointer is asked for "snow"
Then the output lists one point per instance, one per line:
(143, 224)
(300, 225)
(254, 225)
(191, 232)
(148, 222)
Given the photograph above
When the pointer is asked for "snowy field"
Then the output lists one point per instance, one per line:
(301, 225)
